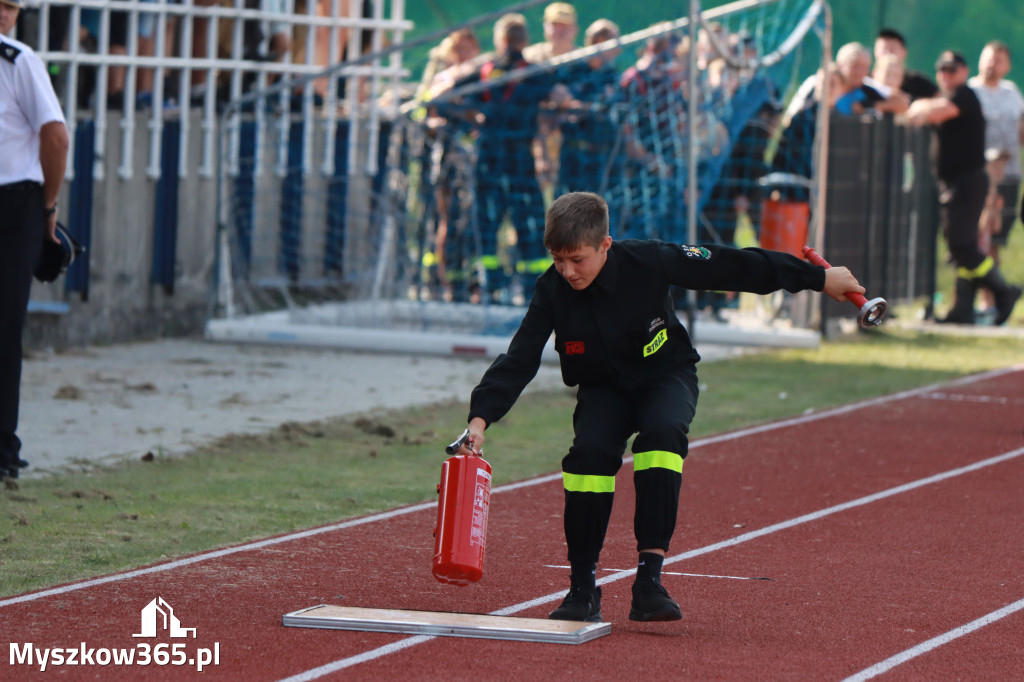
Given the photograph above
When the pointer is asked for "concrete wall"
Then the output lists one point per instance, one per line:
(123, 304)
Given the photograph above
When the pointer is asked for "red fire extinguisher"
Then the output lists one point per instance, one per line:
(464, 496)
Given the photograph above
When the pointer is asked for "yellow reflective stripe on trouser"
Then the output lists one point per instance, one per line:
(582, 483)
(535, 266)
(657, 459)
(978, 272)
(489, 262)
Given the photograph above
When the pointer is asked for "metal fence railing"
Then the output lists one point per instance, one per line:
(882, 210)
(122, 62)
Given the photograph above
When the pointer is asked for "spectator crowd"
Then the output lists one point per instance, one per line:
(589, 124)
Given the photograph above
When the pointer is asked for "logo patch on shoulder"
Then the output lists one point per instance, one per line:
(9, 52)
(698, 252)
(574, 348)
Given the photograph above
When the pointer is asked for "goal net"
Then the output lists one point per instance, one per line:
(410, 216)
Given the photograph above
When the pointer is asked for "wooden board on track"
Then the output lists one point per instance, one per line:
(447, 624)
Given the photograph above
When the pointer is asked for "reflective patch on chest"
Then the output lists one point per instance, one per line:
(658, 341)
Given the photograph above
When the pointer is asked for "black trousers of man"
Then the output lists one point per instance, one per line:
(660, 413)
(961, 204)
(22, 227)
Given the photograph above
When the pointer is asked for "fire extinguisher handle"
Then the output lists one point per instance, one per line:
(459, 442)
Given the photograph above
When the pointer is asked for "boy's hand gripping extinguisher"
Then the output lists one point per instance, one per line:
(464, 496)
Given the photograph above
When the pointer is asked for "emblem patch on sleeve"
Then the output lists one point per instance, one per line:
(698, 252)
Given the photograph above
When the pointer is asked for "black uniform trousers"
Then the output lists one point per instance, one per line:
(960, 205)
(22, 226)
(660, 413)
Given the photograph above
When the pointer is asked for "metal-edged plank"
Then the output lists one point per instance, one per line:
(437, 623)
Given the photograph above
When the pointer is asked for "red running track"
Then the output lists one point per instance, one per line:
(891, 531)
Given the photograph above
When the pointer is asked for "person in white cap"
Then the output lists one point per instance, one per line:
(560, 31)
(33, 156)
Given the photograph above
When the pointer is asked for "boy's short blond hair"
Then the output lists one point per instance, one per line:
(575, 220)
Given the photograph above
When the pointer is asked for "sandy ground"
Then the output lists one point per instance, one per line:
(170, 396)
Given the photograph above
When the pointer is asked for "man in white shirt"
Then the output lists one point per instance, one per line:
(1003, 107)
(33, 157)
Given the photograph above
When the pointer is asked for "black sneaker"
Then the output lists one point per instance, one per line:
(1004, 305)
(652, 603)
(580, 604)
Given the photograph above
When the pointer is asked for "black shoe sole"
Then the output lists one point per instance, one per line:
(954, 319)
(1007, 309)
(656, 617)
(596, 618)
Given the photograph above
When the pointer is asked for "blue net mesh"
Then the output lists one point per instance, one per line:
(454, 210)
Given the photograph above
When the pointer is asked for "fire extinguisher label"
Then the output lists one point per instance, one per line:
(481, 502)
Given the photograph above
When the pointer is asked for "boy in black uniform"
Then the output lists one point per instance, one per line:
(619, 340)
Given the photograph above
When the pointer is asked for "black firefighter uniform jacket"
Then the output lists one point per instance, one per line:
(622, 330)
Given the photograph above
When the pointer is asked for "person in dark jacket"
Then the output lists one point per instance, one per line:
(958, 156)
(619, 340)
(506, 177)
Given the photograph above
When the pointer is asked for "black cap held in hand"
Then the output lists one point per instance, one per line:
(55, 258)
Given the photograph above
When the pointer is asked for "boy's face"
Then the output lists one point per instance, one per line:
(581, 266)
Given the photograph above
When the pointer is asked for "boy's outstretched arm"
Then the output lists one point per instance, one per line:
(839, 281)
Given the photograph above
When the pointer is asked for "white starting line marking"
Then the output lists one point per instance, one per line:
(343, 663)
(689, 575)
(934, 642)
(968, 398)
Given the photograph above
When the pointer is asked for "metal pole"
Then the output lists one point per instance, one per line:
(693, 148)
(821, 142)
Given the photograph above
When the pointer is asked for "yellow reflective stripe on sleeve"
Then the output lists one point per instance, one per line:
(582, 483)
(978, 272)
(653, 346)
(657, 459)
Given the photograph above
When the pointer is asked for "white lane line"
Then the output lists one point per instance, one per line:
(739, 539)
(934, 642)
(685, 575)
(327, 669)
(312, 532)
(970, 398)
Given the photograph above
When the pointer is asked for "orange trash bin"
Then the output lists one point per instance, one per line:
(784, 225)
